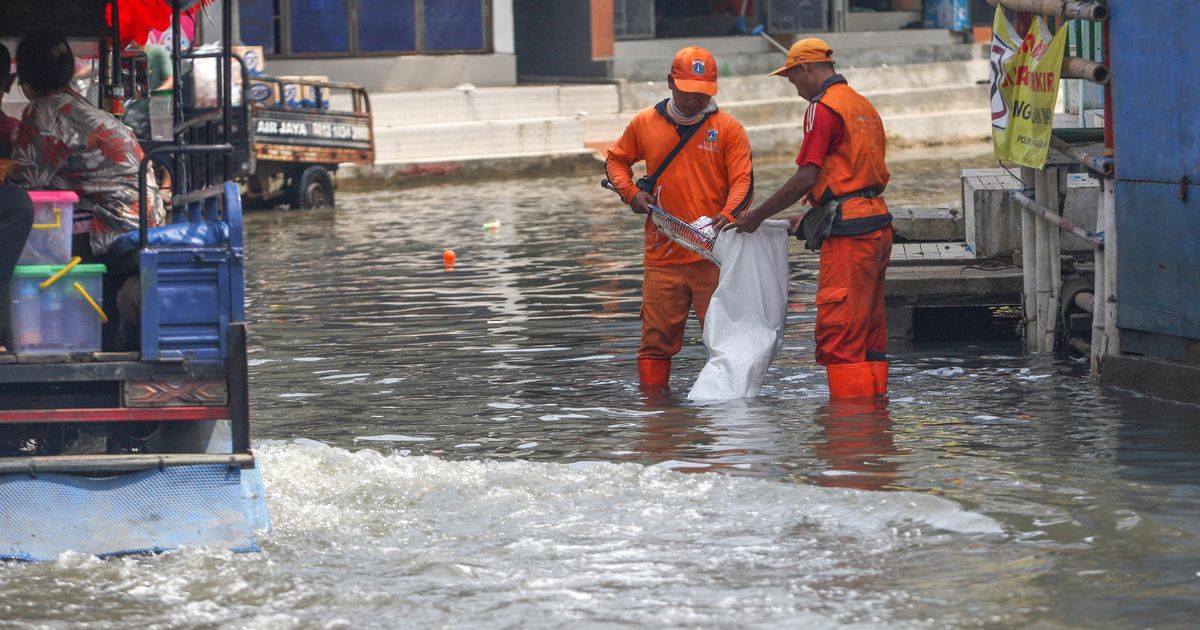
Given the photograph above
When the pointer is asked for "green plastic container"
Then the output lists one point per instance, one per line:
(58, 318)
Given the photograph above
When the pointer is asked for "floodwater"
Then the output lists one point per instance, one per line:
(468, 447)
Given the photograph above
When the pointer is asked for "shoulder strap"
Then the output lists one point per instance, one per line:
(683, 140)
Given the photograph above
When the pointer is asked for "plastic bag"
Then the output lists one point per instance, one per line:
(744, 326)
(206, 91)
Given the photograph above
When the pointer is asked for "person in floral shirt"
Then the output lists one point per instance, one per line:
(66, 143)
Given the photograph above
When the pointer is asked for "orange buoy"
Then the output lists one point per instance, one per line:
(448, 257)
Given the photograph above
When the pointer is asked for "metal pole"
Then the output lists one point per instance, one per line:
(1042, 249)
(1039, 210)
(1082, 9)
(1054, 255)
(1098, 165)
(1079, 68)
(116, 91)
(1028, 267)
(838, 19)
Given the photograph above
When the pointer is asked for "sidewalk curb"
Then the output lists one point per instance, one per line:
(451, 171)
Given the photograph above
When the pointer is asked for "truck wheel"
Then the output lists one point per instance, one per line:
(313, 188)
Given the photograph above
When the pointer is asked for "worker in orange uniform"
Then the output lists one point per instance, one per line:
(710, 175)
(841, 170)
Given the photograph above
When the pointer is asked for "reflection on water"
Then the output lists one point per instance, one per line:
(856, 441)
(474, 451)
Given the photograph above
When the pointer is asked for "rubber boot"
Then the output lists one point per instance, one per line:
(654, 372)
(850, 380)
(879, 369)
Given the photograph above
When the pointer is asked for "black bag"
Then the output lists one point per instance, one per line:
(817, 223)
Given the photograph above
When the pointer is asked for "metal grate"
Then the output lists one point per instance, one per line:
(206, 505)
(682, 233)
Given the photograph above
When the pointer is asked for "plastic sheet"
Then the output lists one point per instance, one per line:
(744, 326)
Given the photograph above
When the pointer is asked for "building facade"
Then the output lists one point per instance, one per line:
(394, 45)
(385, 45)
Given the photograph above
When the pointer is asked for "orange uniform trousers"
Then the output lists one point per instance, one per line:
(851, 315)
(669, 292)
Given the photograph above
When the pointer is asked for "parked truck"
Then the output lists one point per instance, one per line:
(298, 132)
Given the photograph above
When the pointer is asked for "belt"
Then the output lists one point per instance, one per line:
(818, 222)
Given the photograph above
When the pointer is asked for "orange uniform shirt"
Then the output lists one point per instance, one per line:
(712, 175)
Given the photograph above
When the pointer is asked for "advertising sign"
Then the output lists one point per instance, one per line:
(1026, 67)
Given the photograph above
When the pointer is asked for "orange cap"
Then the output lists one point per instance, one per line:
(807, 50)
(695, 70)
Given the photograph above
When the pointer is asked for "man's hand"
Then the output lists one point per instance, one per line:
(721, 223)
(748, 222)
(641, 202)
(794, 223)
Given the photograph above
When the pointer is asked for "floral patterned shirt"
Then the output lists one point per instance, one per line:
(66, 143)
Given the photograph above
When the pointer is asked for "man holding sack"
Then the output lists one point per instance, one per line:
(698, 165)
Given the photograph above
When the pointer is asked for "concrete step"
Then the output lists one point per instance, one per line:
(393, 109)
(604, 129)
(920, 224)
(754, 113)
(956, 127)
(919, 101)
(478, 138)
(639, 95)
(931, 100)
(467, 169)
(664, 48)
(764, 62)
(776, 139)
(943, 128)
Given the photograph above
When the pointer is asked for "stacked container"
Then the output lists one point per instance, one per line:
(50, 239)
(55, 311)
(62, 317)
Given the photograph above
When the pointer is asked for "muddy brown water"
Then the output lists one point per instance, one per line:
(468, 448)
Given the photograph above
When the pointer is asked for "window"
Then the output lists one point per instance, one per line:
(257, 22)
(353, 27)
(387, 26)
(320, 26)
(453, 24)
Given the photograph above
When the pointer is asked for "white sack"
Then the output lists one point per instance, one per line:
(744, 326)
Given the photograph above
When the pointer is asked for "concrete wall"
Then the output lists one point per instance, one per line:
(554, 40)
(413, 72)
(503, 28)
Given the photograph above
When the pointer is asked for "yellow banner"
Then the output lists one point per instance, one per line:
(1026, 67)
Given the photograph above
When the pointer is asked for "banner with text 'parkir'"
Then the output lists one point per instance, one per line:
(1026, 66)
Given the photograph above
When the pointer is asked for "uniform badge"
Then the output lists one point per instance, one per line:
(698, 67)
(712, 135)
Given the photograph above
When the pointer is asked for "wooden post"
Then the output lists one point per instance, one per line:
(1112, 335)
(1098, 288)
(1041, 234)
(1055, 182)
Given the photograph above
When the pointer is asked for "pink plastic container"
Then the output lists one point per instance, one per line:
(50, 239)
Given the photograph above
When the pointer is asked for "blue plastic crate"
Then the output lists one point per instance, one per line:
(190, 294)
